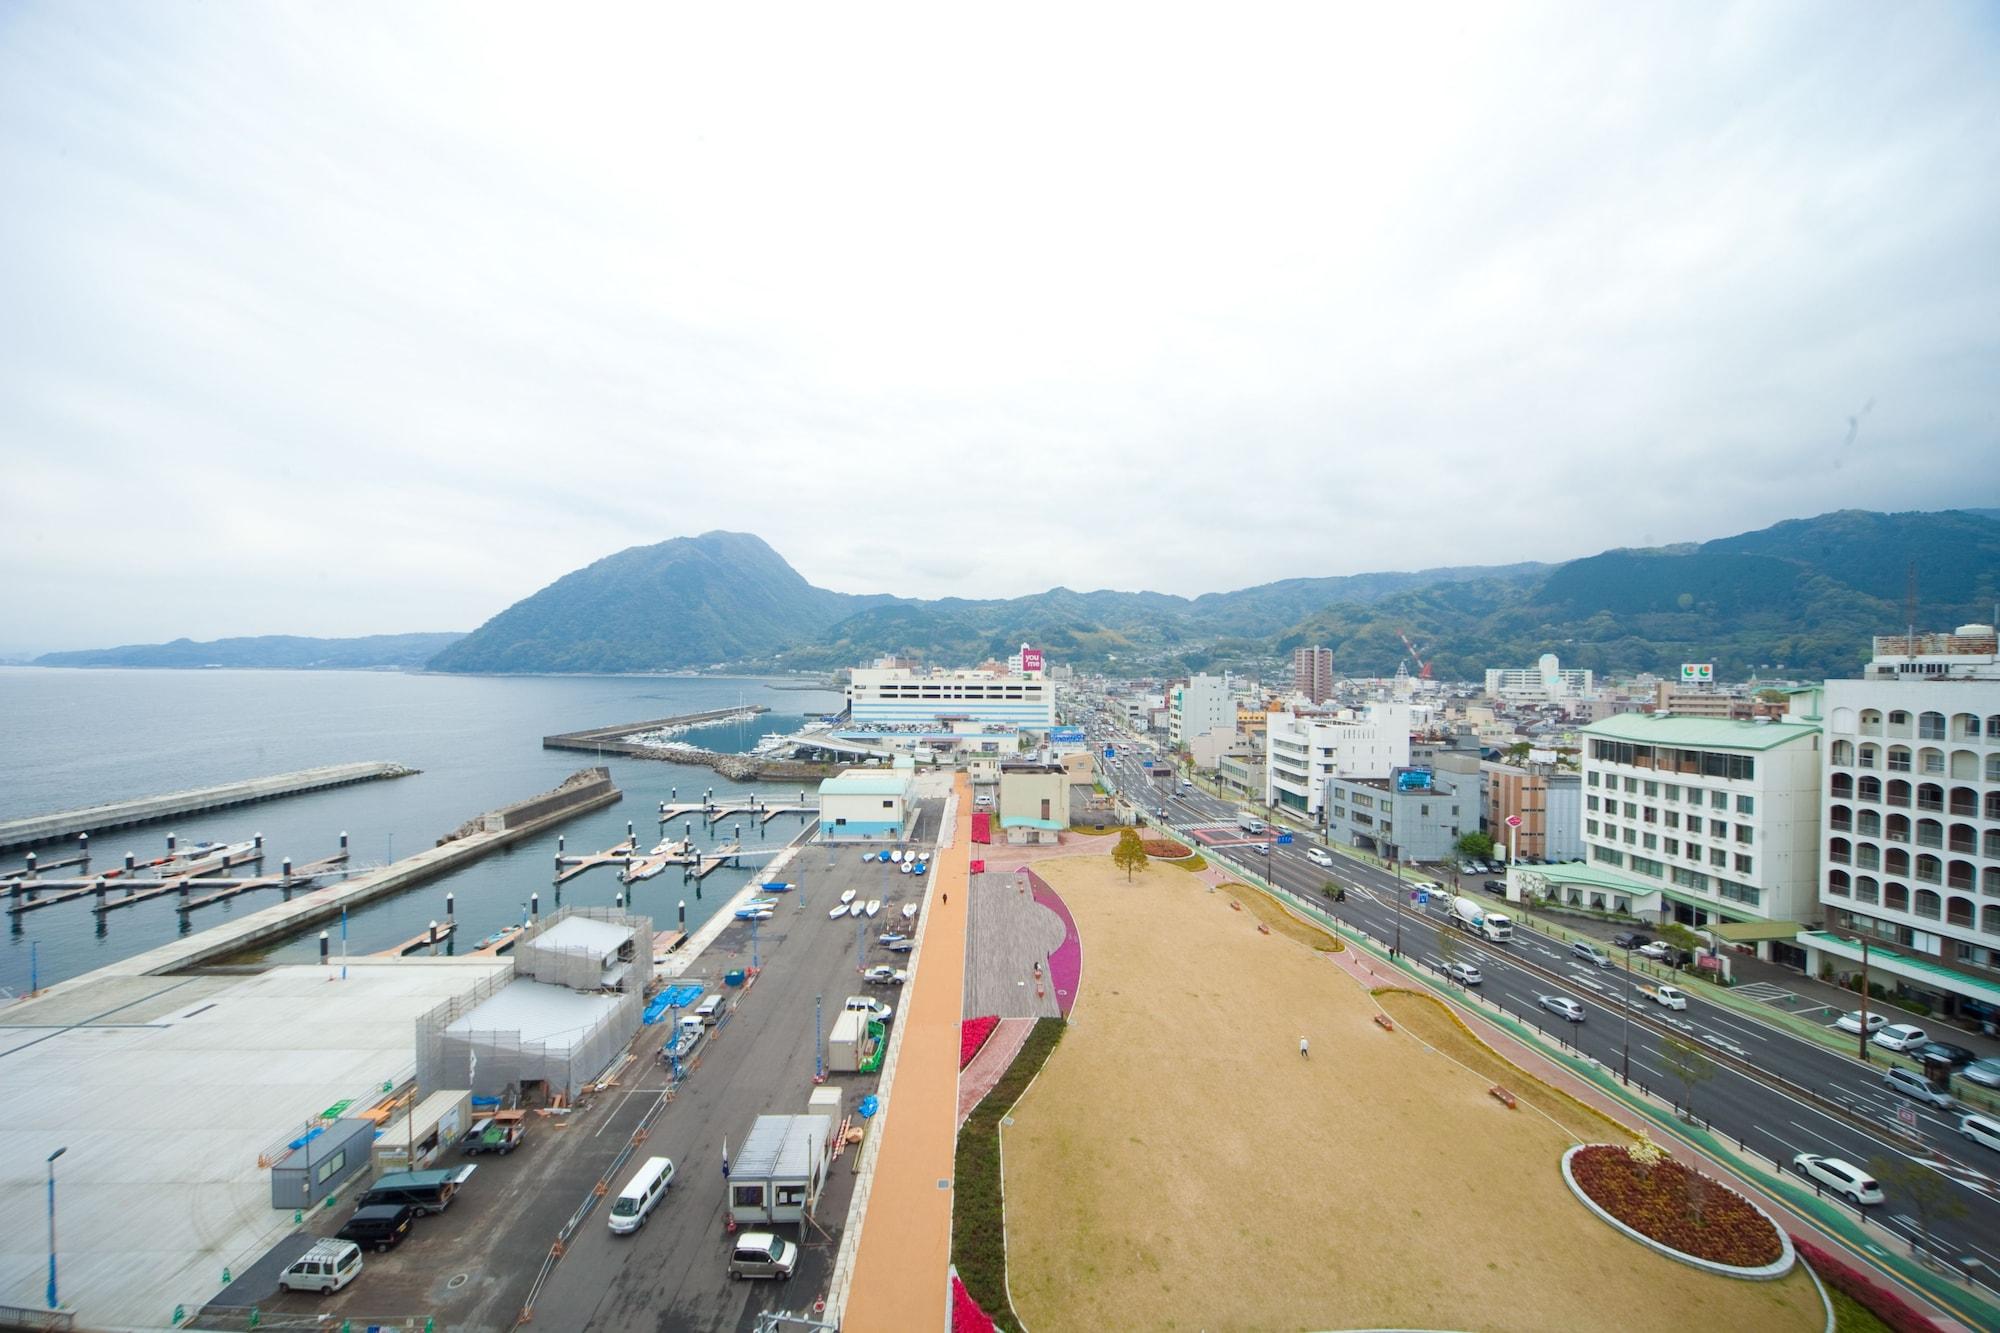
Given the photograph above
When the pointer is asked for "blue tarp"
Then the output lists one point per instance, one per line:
(868, 1106)
(671, 997)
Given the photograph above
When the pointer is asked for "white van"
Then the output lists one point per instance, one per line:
(641, 1193)
(328, 1266)
(709, 1011)
(1981, 1129)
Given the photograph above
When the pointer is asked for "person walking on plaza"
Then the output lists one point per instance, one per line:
(1303, 1054)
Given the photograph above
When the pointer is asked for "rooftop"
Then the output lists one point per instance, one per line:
(581, 932)
(865, 784)
(1707, 733)
(553, 1015)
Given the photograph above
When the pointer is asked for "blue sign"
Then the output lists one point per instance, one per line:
(1070, 736)
(1145, 763)
(1421, 898)
(1413, 779)
(1110, 753)
(1284, 838)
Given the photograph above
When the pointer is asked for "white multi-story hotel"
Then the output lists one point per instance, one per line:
(1302, 751)
(1912, 822)
(899, 695)
(1703, 821)
(1545, 682)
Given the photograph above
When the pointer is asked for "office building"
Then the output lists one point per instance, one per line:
(902, 696)
(1546, 799)
(1544, 683)
(1410, 813)
(1304, 751)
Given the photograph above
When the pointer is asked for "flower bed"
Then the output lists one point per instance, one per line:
(1679, 1208)
(966, 1316)
(972, 1034)
(1865, 1291)
(1163, 850)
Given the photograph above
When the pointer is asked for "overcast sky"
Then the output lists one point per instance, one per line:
(342, 319)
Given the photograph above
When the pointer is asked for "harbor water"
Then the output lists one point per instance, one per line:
(71, 738)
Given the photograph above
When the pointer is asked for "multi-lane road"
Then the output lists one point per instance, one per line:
(1620, 1025)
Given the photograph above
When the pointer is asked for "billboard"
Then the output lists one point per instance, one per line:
(1413, 779)
(1067, 738)
(1697, 673)
(1031, 659)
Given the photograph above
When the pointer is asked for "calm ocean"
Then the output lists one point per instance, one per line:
(72, 738)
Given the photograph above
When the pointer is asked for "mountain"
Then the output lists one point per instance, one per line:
(692, 601)
(375, 651)
(1803, 597)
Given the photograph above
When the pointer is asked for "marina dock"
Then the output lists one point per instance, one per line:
(735, 807)
(119, 814)
(569, 867)
(435, 934)
(132, 891)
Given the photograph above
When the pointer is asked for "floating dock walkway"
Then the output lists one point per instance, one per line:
(736, 807)
(119, 814)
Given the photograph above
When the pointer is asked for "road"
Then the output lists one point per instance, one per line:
(1763, 1117)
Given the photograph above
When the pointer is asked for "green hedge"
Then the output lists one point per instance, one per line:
(978, 1217)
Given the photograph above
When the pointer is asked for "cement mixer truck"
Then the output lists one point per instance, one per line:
(1471, 916)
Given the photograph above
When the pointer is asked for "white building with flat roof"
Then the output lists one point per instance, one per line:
(1912, 823)
(1199, 705)
(1545, 682)
(1304, 751)
(1704, 821)
(901, 695)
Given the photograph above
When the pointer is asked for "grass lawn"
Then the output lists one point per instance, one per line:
(1179, 1166)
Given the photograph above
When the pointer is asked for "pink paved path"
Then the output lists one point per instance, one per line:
(1001, 1047)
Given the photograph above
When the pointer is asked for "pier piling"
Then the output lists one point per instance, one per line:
(534, 906)
(322, 948)
(447, 906)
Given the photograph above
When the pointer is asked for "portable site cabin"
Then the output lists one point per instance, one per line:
(415, 1139)
(318, 1164)
(825, 1100)
(778, 1173)
(847, 1042)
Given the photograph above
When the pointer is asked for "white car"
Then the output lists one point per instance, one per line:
(885, 976)
(1843, 1178)
(1319, 857)
(1465, 974)
(1561, 1006)
(1900, 1037)
(1657, 949)
(1852, 1022)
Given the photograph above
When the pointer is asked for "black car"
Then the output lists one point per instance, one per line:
(1630, 939)
(1494, 886)
(1955, 1056)
(380, 1226)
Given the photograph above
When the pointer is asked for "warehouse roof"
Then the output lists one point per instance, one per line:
(865, 784)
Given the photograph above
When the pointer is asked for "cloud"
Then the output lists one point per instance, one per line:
(356, 320)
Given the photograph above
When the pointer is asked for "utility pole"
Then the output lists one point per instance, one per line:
(1395, 861)
(1626, 1065)
(1864, 1000)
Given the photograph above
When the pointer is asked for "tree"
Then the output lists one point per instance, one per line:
(1475, 845)
(1688, 1063)
(1130, 854)
(1330, 887)
(1448, 943)
(1928, 1194)
(1683, 940)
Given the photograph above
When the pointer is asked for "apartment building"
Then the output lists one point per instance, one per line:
(1410, 813)
(1547, 800)
(1197, 706)
(1544, 683)
(1912, 823)
(1312, 673)
(1708, 822)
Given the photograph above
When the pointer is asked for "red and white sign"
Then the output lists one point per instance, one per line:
(1031, 659)
(1513, 821)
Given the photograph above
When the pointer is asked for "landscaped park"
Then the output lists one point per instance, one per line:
(1179, 1164)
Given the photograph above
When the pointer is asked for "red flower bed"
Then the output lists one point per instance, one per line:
(1877, 1299)
(1661, 1204)
(972, 1034)
(966, 1316)
(1166, 851)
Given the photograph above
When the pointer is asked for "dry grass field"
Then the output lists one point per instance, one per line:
(1179, 1166)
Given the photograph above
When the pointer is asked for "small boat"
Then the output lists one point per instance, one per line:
(847, 896)
(908, 868)
(874, 906)
(909, 911)
(642, 870)
(776, 886)
(837, 911)
(753, 914)
(665, 847)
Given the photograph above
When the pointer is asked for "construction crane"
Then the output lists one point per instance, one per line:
(1423, 667)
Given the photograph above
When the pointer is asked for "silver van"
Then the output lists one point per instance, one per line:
(761, 1254)
(328, 1266)
(711, 1008)
(642, 1193)
(1981, 1129)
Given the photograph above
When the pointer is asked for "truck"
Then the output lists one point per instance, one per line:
(681, 1042)
(1470, 916)
(500, 1132)
(1670, 996)
(1247, 821)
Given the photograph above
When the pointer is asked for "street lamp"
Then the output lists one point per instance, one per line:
(52, 1225)
(1626, 1073)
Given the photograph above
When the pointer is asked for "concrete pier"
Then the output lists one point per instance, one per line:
(118, 814)
(611, 740)
(590, 789)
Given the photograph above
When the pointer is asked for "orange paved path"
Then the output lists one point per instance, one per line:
(902, 1264)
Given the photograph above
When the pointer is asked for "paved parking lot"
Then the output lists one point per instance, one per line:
(472, 1266)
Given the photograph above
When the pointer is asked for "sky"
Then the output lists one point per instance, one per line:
(368, 318)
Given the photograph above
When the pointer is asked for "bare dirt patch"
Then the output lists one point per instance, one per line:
(1178, 1164)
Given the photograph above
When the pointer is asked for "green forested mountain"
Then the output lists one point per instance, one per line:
(402, 651)
(690, 602)
(1803, 595)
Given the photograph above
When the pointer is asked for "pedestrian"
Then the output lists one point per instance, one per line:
(1303, 1050)
(947, 897)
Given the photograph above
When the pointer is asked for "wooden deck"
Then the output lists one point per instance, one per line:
(1009, 933)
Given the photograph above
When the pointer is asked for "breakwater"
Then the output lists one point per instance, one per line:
(37, 829)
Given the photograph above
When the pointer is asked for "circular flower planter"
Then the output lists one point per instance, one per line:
(1737, 1238)
(1162, 850)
